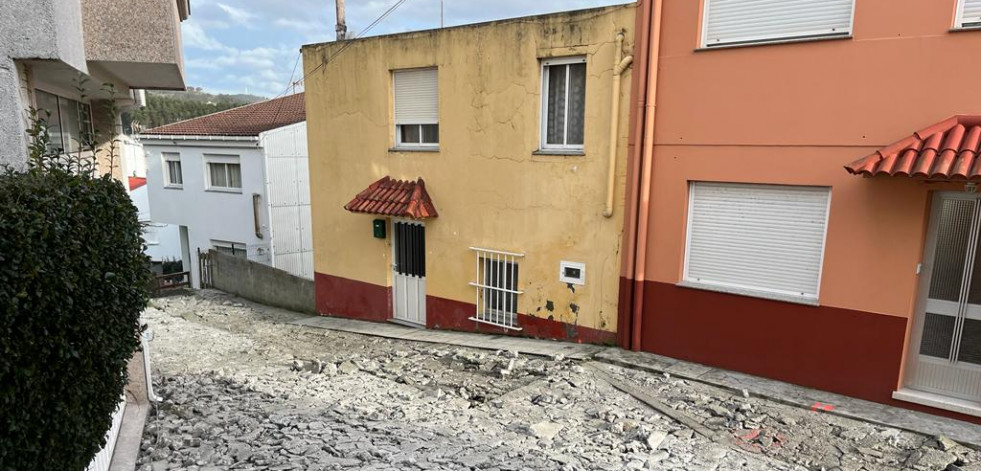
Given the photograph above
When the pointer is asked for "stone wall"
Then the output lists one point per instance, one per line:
(261, 283)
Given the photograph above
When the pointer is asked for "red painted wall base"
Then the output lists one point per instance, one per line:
(343, 297)
(848, 352)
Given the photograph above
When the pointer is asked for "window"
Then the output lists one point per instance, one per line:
(730, 22)
(563, 103)
(968, 14)
(235, 249)
(497, 288)
(224, 173)
(416, 108)
(173, 175)
(69, 122)
(757, 240)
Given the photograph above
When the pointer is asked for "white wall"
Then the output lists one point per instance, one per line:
(209, 215)
(162, 240)
(288, 187)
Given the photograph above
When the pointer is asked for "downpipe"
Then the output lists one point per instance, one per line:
(620, 64)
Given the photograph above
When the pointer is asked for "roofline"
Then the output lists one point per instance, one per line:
(515, 19)
(232, 109)
(196, 137)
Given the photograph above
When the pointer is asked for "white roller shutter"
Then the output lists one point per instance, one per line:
(416, 100)
(760, 238)
(969, 13)
(742, 21)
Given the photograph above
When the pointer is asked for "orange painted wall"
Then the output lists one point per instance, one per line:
(796, 113)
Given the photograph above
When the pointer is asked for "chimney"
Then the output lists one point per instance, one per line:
(341, 21)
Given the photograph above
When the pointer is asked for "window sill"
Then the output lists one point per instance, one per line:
(938, 401)
(173, 187)
(835, 37)
(787, 298)
(224, 190)
(414, 149)
(561, 152)
(964, 29)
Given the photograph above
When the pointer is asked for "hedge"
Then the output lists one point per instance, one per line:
(73, 281)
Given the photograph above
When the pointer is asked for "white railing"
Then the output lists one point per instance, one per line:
(104, 456)
(497, 287)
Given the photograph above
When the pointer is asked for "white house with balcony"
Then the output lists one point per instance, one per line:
(237, 182)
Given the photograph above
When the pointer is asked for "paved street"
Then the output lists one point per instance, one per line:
(242, 389)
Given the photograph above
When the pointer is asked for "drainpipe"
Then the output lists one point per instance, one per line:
(620, 64)
(635, 138)
(647, 164)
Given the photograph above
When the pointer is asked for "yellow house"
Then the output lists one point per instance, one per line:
(471, 178)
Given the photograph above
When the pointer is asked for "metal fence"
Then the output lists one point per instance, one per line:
(497, 287)
(171, 281)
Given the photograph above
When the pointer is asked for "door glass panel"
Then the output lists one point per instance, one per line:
(953, 232)
(938, 333)
(970, 350)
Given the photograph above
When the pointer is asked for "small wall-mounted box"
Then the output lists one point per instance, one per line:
(572, 272)
(378, 228)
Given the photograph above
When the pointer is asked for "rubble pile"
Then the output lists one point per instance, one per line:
(243, 390)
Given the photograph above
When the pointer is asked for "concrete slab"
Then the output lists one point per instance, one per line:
(127, 450)
(880, 414)
(526, 346)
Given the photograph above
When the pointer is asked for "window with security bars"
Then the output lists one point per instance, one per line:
(173, 173)
(497, 288)
(563, 103)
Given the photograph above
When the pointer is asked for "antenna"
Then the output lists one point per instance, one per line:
(440, 13)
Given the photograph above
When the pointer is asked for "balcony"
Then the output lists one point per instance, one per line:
(137, 41)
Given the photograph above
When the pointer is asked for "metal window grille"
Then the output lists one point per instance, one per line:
(497, 288)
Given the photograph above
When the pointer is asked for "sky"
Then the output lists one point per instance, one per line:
(251, 46)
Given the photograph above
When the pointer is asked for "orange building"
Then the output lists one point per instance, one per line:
(792, 222)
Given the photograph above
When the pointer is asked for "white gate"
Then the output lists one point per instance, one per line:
(409, 272)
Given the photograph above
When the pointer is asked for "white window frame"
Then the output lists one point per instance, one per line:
(60, 99)
(543, 131)
(757, 292)
(222, 159)
(166, 158)
(430, 146)
(959, 18)
(771, 39)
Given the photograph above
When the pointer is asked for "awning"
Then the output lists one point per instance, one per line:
(388, 197)
(947, 150)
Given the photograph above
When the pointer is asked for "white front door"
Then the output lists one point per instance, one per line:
(409, 272)
(946, 343)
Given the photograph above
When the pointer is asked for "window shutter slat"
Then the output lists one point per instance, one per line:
(737, 21)
(766, 238)
(416, 97)
(970, 13)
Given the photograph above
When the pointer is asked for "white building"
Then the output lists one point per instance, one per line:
(236, 181)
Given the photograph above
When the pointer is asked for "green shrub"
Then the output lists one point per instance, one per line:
(73, 281)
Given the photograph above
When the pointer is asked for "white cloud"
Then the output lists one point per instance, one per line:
(194, 36)
(237, 15)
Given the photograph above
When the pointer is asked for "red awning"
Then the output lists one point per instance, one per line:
(947, 150)
(388, 197)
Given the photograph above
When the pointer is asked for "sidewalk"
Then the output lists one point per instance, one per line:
(880, 414)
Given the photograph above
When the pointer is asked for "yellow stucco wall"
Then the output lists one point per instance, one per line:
(489, 188)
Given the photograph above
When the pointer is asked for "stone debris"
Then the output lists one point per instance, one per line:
(243, 390)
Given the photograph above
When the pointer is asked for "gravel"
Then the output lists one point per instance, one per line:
(244, 390)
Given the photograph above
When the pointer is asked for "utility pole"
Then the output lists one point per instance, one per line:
(341, 21)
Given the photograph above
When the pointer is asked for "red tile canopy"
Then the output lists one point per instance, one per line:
(947, 150)
(388, 197)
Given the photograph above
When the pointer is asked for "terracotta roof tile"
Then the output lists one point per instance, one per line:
(947, 150)
(248, 120)
(388, 197)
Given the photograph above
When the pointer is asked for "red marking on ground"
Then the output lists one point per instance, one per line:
(820, 406)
